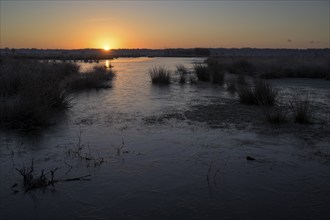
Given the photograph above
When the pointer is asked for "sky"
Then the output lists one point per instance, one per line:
(164, 24)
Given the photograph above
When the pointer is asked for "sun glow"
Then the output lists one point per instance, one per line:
(106, 47)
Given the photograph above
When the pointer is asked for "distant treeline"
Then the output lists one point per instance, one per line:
(97, 54)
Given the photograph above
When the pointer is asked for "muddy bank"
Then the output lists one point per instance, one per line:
(229, 115)
(226, 113)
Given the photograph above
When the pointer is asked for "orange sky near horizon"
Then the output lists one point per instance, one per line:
(161, 24)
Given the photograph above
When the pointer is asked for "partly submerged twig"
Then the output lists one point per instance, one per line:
(80, 152)
(77, 178)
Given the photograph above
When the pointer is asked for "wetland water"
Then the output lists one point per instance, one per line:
(172, 152)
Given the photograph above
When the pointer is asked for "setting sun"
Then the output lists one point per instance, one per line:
(106, 47)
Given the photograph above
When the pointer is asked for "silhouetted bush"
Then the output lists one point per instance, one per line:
(160, 75)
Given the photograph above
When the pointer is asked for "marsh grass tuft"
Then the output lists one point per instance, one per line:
(192, 79)
(97, 78)
(202, 72)
(212, 72)
(217, 72)
(258, 93)
(231, 84)
(301, 109)
(265, 93)
(276, 115)
(160, 75)
(246, 94)
(183, 72)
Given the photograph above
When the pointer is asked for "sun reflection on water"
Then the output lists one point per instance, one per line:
(107, 64)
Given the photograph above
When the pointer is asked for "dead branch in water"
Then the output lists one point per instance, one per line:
(30, 181)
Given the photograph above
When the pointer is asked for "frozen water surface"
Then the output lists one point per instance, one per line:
(172, 152)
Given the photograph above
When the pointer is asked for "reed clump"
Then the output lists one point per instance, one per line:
(213, 71)
(217, 72)
(183, 72)
(231, 84)
(276, 115)
(202, 72)
(160, 75)
(258, 93)
(301, 109)
(97, 78)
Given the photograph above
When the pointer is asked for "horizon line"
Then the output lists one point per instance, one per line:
(169, 48)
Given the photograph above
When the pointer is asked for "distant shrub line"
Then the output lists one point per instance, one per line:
(276, 67)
